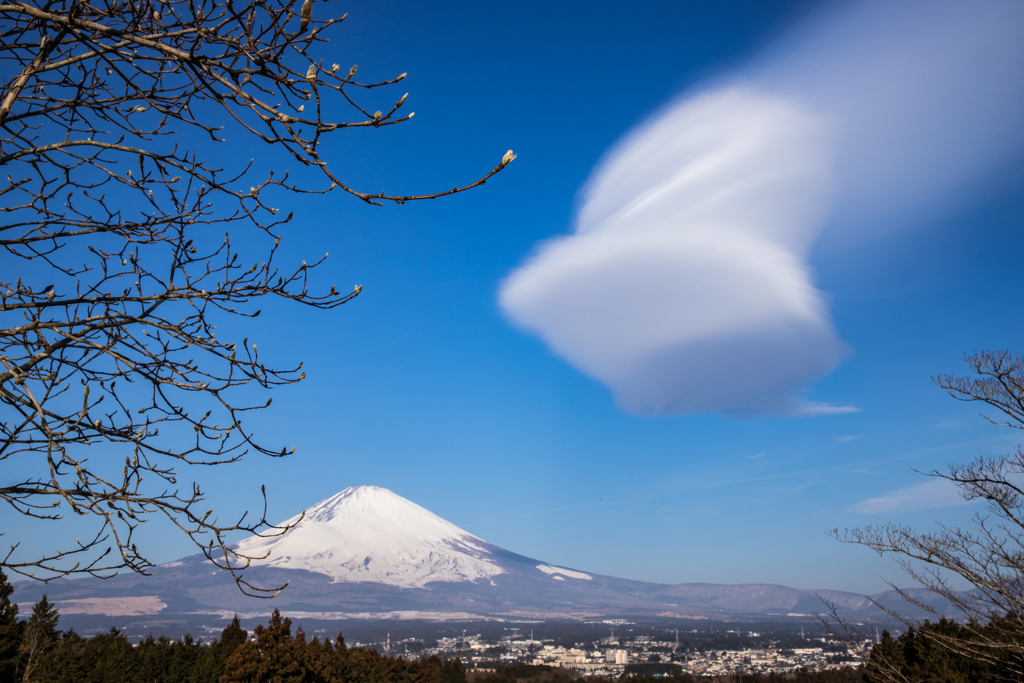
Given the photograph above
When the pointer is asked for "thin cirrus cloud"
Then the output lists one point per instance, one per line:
(935, 493)
(685, 286)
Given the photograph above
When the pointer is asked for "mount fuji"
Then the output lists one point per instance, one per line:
(367, 534)
(366, 552)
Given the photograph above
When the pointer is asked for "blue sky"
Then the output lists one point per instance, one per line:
(895, 224)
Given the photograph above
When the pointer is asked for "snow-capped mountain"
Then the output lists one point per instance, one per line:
(369, 534)
(369, 553)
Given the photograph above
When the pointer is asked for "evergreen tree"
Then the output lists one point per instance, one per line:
(155, 657)
(364, 666)
(231, 637)
(243, 666)
(10, 631)
(44, 620)
(340, 670)
(184, 655)
(67, 661)
(39, 638)
(110, 658)
(453, 672)
(922, 654)
(886, 657)
(209, 665)
(274, 656)
(321, 662)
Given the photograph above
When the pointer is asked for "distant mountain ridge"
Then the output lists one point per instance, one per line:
(368, 553)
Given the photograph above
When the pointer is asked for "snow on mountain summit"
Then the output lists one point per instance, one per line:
(368, 533)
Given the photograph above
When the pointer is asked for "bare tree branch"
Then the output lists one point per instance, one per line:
(990, 555)
(121, 251)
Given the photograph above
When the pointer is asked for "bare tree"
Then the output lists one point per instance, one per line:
(124, 245)
(989, 556)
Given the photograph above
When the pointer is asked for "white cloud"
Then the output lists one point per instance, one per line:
(934, 493)
(820, 408)
(683, 289)
(685, 285)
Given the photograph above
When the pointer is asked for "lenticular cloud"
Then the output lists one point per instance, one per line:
(685, 286)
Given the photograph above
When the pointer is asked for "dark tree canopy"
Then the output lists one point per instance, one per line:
(127, 238)
(277, 655)
(10, 629)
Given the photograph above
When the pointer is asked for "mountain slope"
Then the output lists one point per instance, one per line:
(369, 534)
(369, 552)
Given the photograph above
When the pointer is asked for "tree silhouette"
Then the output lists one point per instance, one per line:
(10, 630)
(40, 636)
(989, 556)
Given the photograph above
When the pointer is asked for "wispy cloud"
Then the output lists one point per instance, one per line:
(846, 438)
(820, 408)
(934, 493)
(699, 486)
(685, 285)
